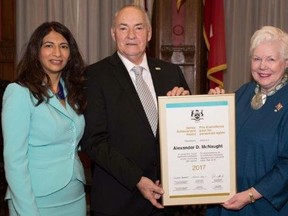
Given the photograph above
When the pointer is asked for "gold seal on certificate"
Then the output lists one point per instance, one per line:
(197, 148)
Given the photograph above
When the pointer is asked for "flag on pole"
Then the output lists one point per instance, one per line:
(214, 35)
(179, 3)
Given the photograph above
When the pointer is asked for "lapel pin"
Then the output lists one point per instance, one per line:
(157, 68)
(278, 107)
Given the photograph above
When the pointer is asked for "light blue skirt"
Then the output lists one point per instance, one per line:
(77, 208)
(69, 201)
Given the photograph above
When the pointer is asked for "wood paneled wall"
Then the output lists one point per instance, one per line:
(7, 74)
(7, 39)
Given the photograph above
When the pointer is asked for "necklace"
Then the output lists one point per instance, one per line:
(260, 98)
(60, 93)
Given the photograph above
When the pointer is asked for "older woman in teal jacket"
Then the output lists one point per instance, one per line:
(42, 124)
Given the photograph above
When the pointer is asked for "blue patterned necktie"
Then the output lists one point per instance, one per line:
(146, 98)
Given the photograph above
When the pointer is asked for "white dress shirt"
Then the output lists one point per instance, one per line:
(146, 73)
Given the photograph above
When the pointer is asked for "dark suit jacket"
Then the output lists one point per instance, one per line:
(118, 136)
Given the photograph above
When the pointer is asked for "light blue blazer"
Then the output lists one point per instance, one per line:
(40, 147)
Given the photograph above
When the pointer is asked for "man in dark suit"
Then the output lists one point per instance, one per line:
(118, 136)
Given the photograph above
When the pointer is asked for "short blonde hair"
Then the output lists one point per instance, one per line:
(270, 33)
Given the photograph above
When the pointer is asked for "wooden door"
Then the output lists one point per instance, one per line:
(7, 39)
(178, 37)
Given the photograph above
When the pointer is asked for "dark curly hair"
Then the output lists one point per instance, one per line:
(32, 75)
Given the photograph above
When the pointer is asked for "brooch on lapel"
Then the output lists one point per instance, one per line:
(278, 107)
(157, 68)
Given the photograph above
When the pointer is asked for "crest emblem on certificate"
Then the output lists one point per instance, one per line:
(197, 115)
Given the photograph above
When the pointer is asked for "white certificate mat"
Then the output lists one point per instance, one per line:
(197, 148)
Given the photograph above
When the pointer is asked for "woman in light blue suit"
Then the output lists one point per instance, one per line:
(42, 124)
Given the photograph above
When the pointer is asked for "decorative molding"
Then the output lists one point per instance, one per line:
(178, 54)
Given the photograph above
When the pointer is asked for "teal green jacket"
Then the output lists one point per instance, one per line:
(40, 147)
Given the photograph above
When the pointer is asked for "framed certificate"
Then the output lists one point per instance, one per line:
(197, 148)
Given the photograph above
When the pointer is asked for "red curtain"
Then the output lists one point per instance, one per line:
(214, 34)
